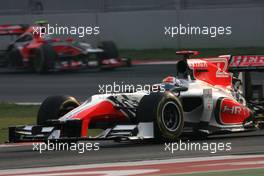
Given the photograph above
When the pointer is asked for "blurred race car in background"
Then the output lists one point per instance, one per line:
(45, 53)
(204, 97)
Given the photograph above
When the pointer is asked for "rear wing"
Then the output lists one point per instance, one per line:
(240, 63)
(246, 63)
(187, 53)
(14, 29)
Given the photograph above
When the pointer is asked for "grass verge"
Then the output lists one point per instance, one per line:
(13, 115)
(244, 172)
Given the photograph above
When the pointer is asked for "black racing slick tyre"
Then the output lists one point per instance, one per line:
(128, 62)
(44, 58)
(166, 111)
(55, 107)
(110, 49)
(14, 58)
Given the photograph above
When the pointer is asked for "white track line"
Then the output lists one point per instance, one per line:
(155, 63)
(28, 103)
(104, 173)
(16, 144)
(137, 163)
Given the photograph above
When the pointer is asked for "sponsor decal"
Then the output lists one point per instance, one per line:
(197, 64)
(232, 112)
(246, 61)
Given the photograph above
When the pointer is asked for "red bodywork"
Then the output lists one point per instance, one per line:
(215, 72)
(37, 41)
(63, 48)
(232, 112)
(101, 112)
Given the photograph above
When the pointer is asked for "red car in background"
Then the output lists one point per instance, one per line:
(45, 53)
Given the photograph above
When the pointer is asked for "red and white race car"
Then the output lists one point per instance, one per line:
(41, 54)
(202, 98)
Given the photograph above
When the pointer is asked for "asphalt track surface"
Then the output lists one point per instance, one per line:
(22, 86)
(109, 152)
(29, 87)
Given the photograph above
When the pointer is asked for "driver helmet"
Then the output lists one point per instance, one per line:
(170, 82)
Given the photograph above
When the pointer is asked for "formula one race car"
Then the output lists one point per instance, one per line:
(203, 98)
(42, 53)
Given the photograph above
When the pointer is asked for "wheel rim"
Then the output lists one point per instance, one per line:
(170, 116)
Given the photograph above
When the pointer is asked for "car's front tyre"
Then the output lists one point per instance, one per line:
(55, 107)
(166, 112)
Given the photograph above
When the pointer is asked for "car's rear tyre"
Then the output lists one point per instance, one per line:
(14, 58)
(110, 49)
(166, 111)
(55, 107)
(44, 58)
(128, 62)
